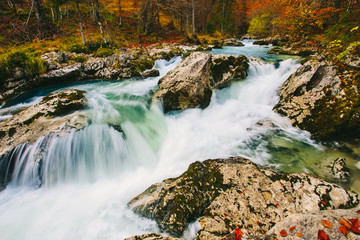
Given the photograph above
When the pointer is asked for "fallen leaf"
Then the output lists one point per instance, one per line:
(277, 204)
(324, 203)
(322, 235)
(292, 228)
(237, 237)
(345, 223)
(343, 230)
(225, 215)
(355, 222)
(355, 230)
(238, 232)
(258, 221)
(283, 233)
(326, 223)
(299, 234)
(358, 211)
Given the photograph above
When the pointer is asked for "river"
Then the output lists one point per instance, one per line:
(81, 186)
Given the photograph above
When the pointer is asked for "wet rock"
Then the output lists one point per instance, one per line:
(58, 112)
(186, 86)
(261, 42)
(300, 51)
(151, 73)
(233, 42)
(339, 170)
(191, 83)
(93, 65)
(225, 194)
(226, 68)
(316, 99)
(68, 73)
(256, 60)
(150, 236)
(310, 223)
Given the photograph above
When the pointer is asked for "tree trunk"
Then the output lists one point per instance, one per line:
(98, 19)
(193, 17)
(80, 22)
(38, 11)
(120, 14)
(67, 12)
(12, 6)
(52, 14)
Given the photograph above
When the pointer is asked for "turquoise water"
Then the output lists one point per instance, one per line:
(80, 187)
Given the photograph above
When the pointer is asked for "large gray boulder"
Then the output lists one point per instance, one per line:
(191, 83)
(321, 98)
(187, 86)
(225, 194)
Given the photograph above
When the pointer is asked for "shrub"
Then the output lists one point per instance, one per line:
(104, 52)
(77, 48)
(80, 59)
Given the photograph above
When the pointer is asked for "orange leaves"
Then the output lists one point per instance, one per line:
(299, 234)
(345, 223)
(346, 226)
(326, 223)
(292, 228)
(322, 235)
(238, 232)
(343, 230)
(283, 233)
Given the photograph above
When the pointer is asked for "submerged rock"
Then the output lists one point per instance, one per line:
(320, 98)
(339, 170)
(190, 84)
(225, 194)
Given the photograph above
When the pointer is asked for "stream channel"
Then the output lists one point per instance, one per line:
(88, 176)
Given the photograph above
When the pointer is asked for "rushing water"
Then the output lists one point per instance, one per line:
(77, 186)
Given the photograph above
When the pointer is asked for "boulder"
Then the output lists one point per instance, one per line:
(58, 111)
(190, 84)
(225, 194)
(232, 42)
(93, 65)
(151, 73)
(68, 73)
(150, 236)
(339, 170)
(261, 42)
(186, 86)
(321, 99)
(226, 68)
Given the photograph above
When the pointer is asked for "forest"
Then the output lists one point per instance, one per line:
(127, 22)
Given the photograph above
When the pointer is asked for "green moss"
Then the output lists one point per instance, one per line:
(104, 52)
(80, 59)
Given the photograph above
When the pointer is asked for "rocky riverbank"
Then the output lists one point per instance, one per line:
(228, 194)
(323, 98)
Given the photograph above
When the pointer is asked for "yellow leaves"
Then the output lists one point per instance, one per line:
(354, 29)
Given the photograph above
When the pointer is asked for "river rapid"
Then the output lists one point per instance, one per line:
(81, 187)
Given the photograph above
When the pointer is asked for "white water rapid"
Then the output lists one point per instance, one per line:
(76, 187)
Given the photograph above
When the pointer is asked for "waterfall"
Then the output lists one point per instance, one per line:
(77, 186)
